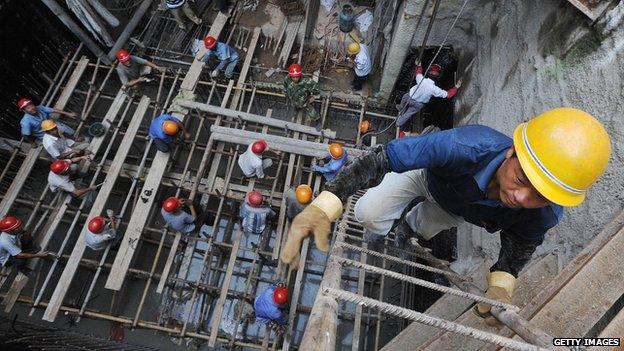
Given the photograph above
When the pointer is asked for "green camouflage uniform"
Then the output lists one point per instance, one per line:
(299, 94)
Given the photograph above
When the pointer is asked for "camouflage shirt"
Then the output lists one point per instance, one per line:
(298, 94)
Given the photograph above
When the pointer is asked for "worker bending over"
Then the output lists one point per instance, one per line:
(333, 161)
(61, 176)
(34, 115)
(359, 59)
(58, 145)
(251, 162)
(297, 200)
(269, 306)
(420, 94)
(254, 213)
(225, 54)
(101, 231)
(132, 70)
(176, 218)
(475, 174)
(179, 8)
(16, 247)
(301, 92)
(164, 129)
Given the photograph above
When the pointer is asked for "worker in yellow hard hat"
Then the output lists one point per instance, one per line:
(517, 186)
(359, 59)
(164, 129)
(58, 145)
(333, 161)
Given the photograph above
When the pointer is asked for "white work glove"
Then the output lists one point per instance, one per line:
(214, 73)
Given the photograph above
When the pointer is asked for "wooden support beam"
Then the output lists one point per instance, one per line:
(96, 209)
(243, 73)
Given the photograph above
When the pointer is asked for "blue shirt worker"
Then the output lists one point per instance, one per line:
(223, 52)
(176, 218)
(337, 158)
(268, 307)
(254, 214)
(164, 129)
(34, 115)
(472, 173)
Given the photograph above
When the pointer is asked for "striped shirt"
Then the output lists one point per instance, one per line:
(174, 4)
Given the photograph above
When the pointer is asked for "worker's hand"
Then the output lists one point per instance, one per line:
(199, 57)
(187, 136)
(311, 99)
(72, 114)
(161, 69)
(311, 220)
(500, 288)
(46, 255)
(124, 87)
(110, 214)
(458, 84)
(93, 188)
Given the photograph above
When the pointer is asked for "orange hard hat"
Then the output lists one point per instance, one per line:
(254, 198)
(48, 124)
(23, 103)
(170, 127)
(364, 127)
(295, 70)
(10, 223)
(335, 150)
(123, 55)
(60, 166)
(258, 146)
(210, 42)
(280, 295)
(171, 204)
(96, 224)
(303, 193)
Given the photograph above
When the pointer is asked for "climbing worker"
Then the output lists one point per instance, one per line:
(269, 306)
(359, 59)
(16, 247)
(420, 94)
(176, 218)
(164, 129)
(132, 70)
(471, 173)
(334, 161)
(58, 145)
(101, 231)
(301, 92)
(225, 54)
(34, 115)
(254, 214)
(251, 161)
(297, 199)
(180, 7)
(62, 177)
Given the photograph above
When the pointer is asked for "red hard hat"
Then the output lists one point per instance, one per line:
(210, 42)
(96, 224)
(258, 146)
(23, 103)
(60, 166)
(254, 198)
(171, 204)
(280, 295)
(434, 71)
(123, 55)
(294, 70)
(10, 223)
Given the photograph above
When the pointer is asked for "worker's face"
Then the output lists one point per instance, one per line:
(296, 79)
(516, 191)
(30, 109)
(127, 63)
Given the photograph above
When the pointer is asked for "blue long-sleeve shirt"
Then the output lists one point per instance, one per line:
(223, 52)
(460, 163)
(268, 311)
(331, 168)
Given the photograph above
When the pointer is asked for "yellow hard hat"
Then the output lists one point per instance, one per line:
(353, 48)
(563, 152)
(48, 124)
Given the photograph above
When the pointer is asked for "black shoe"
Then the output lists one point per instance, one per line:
(402, 235)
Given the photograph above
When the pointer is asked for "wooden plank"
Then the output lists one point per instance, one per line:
(615, 329)
(243, 73)
(169, 263)
(96, 209)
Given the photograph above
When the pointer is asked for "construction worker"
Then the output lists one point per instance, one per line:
(420, 94)
(269, 306)
(58, 145)
(225, 54)
(333, 161)
(301, 92)
(16, 247)
(251, 162)
(101, 231)
(359, 59)
(472, 173)
(164, 129)
(132, 70)
(254, 214)
(34, 115)
(297, 199)
(176, 218)
(61, 177)
(180, 7)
